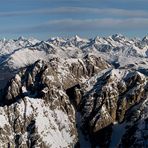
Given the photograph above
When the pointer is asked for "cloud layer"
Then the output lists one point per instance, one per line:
(87, 25)
(79, 10)
(67, 25)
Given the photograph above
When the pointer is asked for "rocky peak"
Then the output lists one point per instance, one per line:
(34, 104)
(117, 37)
(145, 39)
(21, 38)
(108, 101)
(45, 85)
(57, 41)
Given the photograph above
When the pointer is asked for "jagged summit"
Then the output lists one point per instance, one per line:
(21, 38)
(115, 36)
(145, 39)
(97, 38)
(76, 38)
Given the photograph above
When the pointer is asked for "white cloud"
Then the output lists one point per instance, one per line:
(109, 23)
(81, 10)
(89, 25)
(105, 11)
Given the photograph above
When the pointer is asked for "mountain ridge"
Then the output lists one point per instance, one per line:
(74, 92)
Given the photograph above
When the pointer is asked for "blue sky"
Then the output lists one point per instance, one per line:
(87, 18)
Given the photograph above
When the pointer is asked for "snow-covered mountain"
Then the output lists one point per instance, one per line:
(21, 52)
(74, 92)
(116, 49)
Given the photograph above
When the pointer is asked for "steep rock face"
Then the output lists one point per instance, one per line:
(108, 101)
(33, 122)
(38, 107)
(36, 113)
(35, 109)
(135, 134)
(41, 76)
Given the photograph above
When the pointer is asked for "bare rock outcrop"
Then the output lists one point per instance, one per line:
(107, 100)
(36, 108)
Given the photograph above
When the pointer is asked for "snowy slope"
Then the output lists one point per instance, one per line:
(114, 48)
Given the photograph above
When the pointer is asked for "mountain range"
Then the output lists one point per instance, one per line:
(74, 92)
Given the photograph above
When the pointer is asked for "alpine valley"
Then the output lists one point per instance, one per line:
(74, 92)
